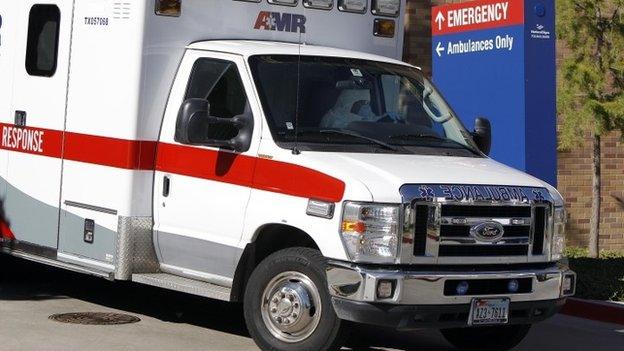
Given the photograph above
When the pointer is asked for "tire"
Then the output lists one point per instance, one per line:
(290, 286)
(487, 338)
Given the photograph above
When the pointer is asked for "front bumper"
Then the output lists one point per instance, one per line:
(422, 298)
(436, 316)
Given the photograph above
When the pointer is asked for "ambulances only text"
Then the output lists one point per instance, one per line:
(22, 139)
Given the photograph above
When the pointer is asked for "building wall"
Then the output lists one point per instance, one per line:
(574, 166)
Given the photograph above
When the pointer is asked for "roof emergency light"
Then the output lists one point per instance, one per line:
(319, 4)
(390, 8)
(284, 2)
(171, 8)
(357, 6)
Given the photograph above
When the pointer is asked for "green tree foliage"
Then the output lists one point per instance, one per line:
(591, 77)
(591, 83)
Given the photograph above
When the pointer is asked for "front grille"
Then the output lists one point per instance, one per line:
(465, 250)
(539, 221)
(420, 237)
(462, 224)
(463, 231)
(457, 241)
(486, 211)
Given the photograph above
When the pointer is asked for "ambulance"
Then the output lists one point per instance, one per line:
(276, 153)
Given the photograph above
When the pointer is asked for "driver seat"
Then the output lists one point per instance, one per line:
(352, 105)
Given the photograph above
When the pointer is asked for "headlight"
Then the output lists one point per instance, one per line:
(387, 7)
(370, 232)
(558, 239)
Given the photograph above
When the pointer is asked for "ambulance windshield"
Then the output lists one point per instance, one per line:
(355, 104)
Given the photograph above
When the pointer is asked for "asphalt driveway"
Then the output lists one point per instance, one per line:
(30, 293)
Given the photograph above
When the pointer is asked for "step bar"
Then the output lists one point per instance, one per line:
(58, 264)
(185, 285)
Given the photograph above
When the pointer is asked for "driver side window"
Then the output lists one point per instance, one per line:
(218, 82)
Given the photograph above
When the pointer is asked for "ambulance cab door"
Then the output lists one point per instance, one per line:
(201, 192)
(34, 134)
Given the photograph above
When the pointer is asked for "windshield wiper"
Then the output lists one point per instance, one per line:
(360, 136)
(354, 135)
(434, 137)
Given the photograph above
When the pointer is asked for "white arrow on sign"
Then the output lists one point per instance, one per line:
(440, 19)
(439, 49)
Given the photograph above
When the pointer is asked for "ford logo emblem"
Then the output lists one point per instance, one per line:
(488, 231)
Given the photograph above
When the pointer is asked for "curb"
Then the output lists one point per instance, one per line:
(607, 312)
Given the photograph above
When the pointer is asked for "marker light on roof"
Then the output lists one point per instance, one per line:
(358, 6)
(284, 2)
(319, 4)
(386, 7)
(171, 8)
(384, 28)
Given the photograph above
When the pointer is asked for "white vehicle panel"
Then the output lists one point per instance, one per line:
(383, 175)
(198, 214)
(35, 168)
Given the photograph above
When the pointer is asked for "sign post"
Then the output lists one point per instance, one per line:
(496, 59)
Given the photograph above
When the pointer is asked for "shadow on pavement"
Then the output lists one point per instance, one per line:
(23, 280)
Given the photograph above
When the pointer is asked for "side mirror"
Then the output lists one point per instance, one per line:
(195, 126)
(482, 135)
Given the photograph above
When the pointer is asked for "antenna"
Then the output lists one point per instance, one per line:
(296, 150)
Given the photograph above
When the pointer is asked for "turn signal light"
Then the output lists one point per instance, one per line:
(353, 227)
(171, 8)
(384, 28)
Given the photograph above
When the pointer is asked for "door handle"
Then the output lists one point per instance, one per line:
(20, 118)
(166, 186)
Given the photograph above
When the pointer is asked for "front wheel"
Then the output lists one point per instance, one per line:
(287, 305)
(487, 338)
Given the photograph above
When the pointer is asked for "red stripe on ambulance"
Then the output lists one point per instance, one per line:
(105, 151)
(253, 172)
(476, 15)
(226, 167)
(112, 152)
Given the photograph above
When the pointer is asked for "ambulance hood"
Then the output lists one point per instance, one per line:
(383, 175)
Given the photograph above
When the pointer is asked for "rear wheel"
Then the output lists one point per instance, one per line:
(287, 305)
(487, 338)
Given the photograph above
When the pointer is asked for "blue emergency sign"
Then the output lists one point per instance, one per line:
(496, 59)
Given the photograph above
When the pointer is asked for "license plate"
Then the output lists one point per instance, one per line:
(489, 312)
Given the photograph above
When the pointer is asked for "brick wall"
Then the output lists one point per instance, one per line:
(574, 166)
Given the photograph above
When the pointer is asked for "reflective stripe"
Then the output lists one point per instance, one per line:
(220, 166)
(252, 172)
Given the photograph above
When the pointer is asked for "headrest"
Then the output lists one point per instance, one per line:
(349, 97)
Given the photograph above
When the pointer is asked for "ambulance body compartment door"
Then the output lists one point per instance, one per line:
(33, 136)
(201, 192)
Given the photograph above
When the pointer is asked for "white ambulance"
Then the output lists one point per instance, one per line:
(272, 152)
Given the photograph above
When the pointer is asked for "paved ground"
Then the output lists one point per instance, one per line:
(29, 293)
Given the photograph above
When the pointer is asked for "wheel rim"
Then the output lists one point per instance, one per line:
(291, 307)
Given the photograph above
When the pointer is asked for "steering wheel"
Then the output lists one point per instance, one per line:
(388, 118)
